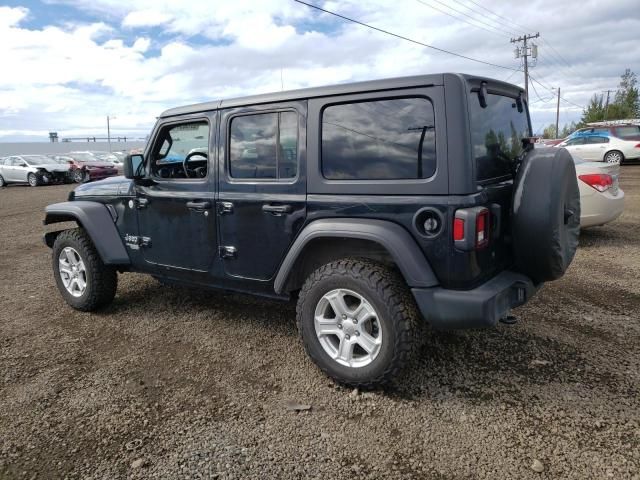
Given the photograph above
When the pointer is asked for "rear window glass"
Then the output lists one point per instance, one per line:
(625, 132)
(379, 140)
(496, 135)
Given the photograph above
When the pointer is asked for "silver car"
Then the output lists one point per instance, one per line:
(32, 169)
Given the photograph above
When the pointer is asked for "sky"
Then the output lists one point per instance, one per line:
(68, 64)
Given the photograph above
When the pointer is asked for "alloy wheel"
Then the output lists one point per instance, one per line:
(72, 271)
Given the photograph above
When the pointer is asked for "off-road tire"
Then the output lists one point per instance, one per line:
(386, 291)
(33, 180)
(2, 182)
(102, 280)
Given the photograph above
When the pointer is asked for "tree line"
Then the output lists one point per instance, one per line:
(623, 105)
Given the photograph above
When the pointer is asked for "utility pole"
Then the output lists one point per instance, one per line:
(525, 52)
(606, 108)
(108, 133)
(558, 115)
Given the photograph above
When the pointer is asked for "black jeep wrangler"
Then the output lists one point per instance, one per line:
(378, 205)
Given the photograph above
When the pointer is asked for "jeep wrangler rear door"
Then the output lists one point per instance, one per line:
(262, 186)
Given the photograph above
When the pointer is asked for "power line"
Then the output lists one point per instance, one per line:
(485, 9)
(483, 14)
(403, 37)
(458, 18)
(553, 90)
(493, 29)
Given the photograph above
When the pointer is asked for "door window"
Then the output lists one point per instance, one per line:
(598, 140)
(574, 141)
(264, 146)
(181, 151)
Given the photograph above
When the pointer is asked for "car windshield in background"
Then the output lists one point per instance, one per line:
(38, 160)
(496, 135)
(84, 157)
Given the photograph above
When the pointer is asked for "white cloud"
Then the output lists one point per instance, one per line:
(69, 77)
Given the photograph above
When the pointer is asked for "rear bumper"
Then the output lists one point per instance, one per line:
(480, 307)
(600, 208)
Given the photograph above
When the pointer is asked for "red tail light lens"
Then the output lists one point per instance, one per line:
(637, 146)
(458, 229)
(600, 181)
(482, 229)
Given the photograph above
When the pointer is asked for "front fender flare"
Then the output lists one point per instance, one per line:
(95, 218)
(396, 240)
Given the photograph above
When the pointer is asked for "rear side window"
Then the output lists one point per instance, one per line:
(627, 132)
(264, 146)
(598, 140)
(496, 135)
(379, 140)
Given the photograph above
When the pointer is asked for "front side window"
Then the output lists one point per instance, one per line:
(182, 151)
(390, 139)
(575, 141)
(598, 140)
(496, 134)
(264, 146)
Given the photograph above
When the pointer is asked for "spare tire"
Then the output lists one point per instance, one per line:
(545, 217)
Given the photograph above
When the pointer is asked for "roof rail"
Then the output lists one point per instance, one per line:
(613, 123)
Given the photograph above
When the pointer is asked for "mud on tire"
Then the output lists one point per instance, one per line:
(386, 292)
(101, 280)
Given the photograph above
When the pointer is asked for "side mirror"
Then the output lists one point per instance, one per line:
(134, 166)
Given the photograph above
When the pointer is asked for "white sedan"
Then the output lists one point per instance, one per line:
(601, 148)
(601, 199)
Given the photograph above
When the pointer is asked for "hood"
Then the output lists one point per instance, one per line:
(52, 167)
(112, 186)
(99, 164)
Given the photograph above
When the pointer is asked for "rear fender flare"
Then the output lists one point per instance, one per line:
(392, 237)
(96, 219)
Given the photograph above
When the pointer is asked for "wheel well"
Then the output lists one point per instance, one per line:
(321, 251)
(62, 223)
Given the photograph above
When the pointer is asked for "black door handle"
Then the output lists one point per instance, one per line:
(277, 210)
(199, 206)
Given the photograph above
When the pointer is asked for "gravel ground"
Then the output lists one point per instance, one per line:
(173, 383)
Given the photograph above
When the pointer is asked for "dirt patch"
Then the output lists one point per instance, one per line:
(176, 383)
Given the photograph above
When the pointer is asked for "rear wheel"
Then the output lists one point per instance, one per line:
(84, 281)
(79, 176)
(614, 156)
(33, 180)
(357, 320)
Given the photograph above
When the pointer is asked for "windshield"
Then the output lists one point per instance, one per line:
(496, 135)
(84, 157)
(38, 160)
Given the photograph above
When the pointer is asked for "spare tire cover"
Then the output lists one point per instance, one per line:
(545, 217)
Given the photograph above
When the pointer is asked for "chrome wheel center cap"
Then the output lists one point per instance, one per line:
(349, 327)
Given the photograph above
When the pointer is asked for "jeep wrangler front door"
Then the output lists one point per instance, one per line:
(176, 215)
(262, 186)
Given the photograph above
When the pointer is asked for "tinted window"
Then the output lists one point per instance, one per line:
(576, 141)
(379, 140)
(264, 146)
(598, 140)
(496, 134)
(626, 132)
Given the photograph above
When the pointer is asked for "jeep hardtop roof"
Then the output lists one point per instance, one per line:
(342, 89)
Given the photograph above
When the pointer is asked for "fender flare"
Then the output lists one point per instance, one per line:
(96, 219)
(396, 240)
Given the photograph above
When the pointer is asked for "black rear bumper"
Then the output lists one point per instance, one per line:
(480, 307)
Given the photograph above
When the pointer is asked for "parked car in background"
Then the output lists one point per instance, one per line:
(599, 147)
(111, 157)
(601, 198)
(87, 167)
(32, 169)
(623, 132)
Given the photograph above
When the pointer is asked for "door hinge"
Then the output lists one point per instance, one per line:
(141, 203)
(227, 252)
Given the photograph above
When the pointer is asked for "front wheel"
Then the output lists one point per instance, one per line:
(33, 180)
(84, 281)
(614, 156)
(357, 321)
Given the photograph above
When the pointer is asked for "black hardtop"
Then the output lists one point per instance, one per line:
(341, 89)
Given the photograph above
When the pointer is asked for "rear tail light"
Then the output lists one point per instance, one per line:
(637, 146)
(482, 229)
(600, 181)
(471, 228)
(458, 229)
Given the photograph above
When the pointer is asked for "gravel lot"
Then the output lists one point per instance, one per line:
(173, 383)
